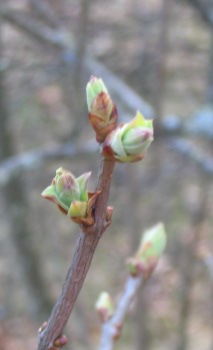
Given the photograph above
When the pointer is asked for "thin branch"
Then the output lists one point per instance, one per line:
(46, 12)
(193, 153)
(63, 40)
(17, 164)
(57, 37)
(83, 254)
(205, 11)
(124, 94)
(126, 98)
(112, 328)
(117, 87)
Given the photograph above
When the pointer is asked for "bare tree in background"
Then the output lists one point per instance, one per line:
(16, 211)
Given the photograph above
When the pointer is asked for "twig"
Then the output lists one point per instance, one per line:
(112, 328)
(83, 254)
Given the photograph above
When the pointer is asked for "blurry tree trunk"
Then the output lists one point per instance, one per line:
(143, 337)
(161, 52)
(45, 12)
(186, 268)
(81, 40)
(71, 81)
(210, 75)
(188, 261)
(16, 209)
(142, 334)
(211, 346)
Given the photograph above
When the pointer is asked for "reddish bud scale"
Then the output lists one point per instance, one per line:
(107, 151)
(102, 127)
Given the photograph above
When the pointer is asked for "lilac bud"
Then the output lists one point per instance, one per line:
(130, 141)
(70, 194)
(102, 111)
(151, 248)
(104, 306)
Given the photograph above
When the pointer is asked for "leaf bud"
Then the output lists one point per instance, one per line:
(151, 248)
(104, 306)
(129, 141)
(102, 110)
(70, 195)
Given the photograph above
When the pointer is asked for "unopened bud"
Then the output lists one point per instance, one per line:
(102, 111)
(104, 306)
(151, 248)
(77, 209)
(70, 195)
(130, 141)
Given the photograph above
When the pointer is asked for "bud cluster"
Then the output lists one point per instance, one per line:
(127, 142)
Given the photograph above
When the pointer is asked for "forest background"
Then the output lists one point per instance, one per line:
(155, 56)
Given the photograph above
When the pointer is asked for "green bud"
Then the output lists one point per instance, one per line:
(95, 87)
(66, 187)
(102, 111)
(77, 209)
(104, 306)
(130, 141)
(69, 193)
(151, 248)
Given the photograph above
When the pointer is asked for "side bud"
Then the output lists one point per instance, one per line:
(151, 248)
(130, 141)
(104, 306)
(102, 111)
(71, 196)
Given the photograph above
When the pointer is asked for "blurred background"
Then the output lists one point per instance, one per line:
(155, 56)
